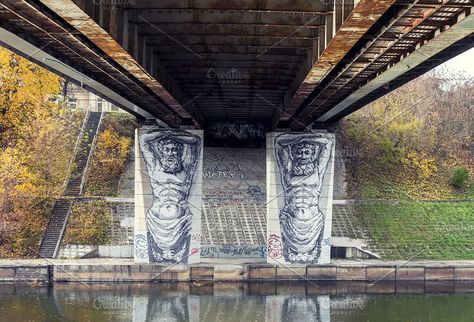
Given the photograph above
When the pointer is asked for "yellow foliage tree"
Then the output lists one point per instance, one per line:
(36, 143)
(24, 86)
(110, 156)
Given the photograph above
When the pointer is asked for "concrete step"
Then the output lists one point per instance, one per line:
(58, 218)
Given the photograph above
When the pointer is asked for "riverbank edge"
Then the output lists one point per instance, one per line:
(119, 271)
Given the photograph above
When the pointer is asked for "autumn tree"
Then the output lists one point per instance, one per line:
(36, 142)
(111, 153)
(413, 137)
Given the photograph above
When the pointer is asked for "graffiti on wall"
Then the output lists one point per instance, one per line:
(233, 198)
(275, 249)
(236, 134)
(223, 251)
(171, 158)
(302, 160)
(141, 246)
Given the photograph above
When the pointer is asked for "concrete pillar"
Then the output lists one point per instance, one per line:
(168, 184)
(300, 175)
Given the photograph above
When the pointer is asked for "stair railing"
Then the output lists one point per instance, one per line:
(70, 172)
(80, 137)
(89, 157)
(63, 228)
(43, 236)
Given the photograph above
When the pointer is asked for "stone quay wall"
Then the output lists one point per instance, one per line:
(129, 272)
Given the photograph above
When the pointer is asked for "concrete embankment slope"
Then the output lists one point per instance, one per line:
(125, 271)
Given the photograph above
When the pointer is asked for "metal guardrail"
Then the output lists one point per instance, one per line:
(84, 175)
(61, 232)
(69, 177)
(76, 148)
(70, 169)
(91, 152)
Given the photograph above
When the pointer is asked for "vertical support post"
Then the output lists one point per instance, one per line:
(338, 14)
(126, 31)
(168, 193)
(116, 24)
(300, 175)
(137, 45)
(349, 5)
(329, 28)
(322, 40)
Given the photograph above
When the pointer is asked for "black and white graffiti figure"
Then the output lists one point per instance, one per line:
(302, 160)
(171, 158)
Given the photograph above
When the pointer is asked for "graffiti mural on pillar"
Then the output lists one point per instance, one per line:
(171, 158)
(302, 161)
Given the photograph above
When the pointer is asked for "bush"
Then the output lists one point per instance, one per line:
(460, 177)
(111, 154)
(89, 223)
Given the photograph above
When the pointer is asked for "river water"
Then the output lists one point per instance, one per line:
(237, 302)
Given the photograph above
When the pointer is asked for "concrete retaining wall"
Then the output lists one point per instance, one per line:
(131, 272)
(26, 273)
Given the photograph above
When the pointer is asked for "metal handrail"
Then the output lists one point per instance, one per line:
(71, 161)
(91, 152)
(76, 148)
(63, 228)
(89, 157)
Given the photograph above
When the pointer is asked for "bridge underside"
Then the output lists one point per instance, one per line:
(277, 63)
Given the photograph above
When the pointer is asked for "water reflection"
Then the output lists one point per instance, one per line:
(232, 302)
(297, 308)
(165, 308)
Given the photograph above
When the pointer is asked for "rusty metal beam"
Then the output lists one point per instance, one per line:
(81, 21)
(362, 17)
(273, 6)
(237, 50)
(221, 40)
(42, 58)
(296, 57)
(229, 29)
(427, 3)
(224, 17)
(54, 39)
(228, 56)
(447, 44)
(332, 88)
(264, 26)
(236, 64)
(359, 71)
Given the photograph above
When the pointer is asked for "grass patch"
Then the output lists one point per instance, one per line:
(423, 230)
(111, 154)
(89, 223)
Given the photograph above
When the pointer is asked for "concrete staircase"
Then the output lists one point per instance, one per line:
(58, 220)
(55, 228)
(350, 238)
(74, 185)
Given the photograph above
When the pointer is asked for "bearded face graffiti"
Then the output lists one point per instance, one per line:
(171, 159)
(303, 159)
(170, 155)
(302, 162)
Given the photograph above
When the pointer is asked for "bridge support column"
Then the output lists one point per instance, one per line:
(300, 175)
(168, 184)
